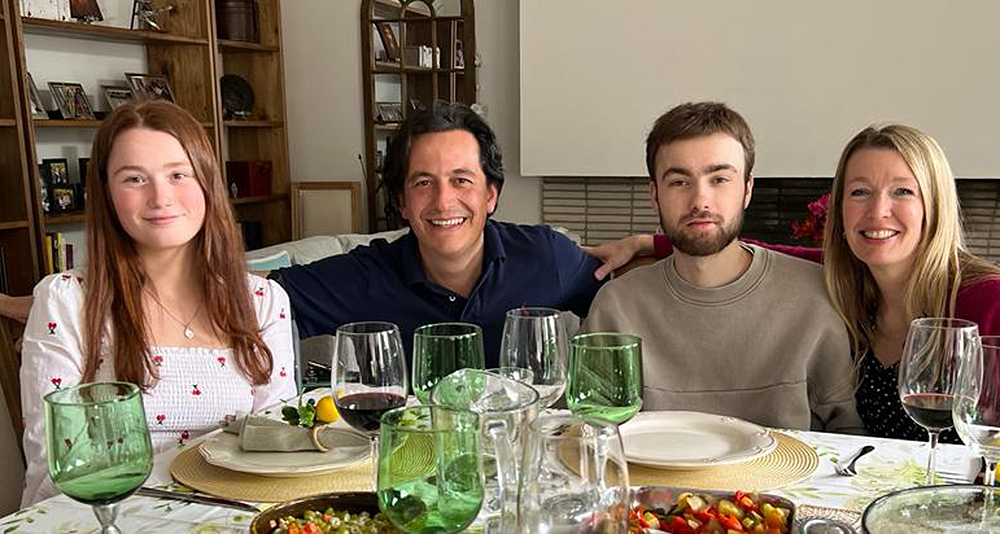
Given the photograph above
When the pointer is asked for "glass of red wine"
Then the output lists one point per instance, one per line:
(935, 349)
(370, 377)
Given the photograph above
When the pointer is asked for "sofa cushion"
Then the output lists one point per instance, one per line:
(269, 263)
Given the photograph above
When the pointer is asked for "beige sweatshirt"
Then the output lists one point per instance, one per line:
(768, 347)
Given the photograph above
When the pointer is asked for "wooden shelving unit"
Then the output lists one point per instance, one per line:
(415, 23)
(191, 56)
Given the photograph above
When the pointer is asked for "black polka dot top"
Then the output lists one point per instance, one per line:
(880, 408)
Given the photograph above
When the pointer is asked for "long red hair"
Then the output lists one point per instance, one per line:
(114, 274)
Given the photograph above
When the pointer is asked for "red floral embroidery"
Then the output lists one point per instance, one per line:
(222, 360)
(184, 437)
(158, 361)
(195, 391)
(69, 444)
(281, 315)
(66, 277)
(160, 418)
(259, 292)
(282, 374)
(52, 328)
(57, 382)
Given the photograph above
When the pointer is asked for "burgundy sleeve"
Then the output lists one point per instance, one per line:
(980, 303)
(663, 248)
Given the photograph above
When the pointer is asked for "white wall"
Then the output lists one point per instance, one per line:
(322, 53)
(806, 75)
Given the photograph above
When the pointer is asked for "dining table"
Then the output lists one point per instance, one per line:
(893, 465)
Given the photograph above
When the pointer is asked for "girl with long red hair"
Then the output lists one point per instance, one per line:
(164, 301)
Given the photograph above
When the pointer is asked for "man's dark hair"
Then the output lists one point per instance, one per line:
(698, 119)
(439, 117)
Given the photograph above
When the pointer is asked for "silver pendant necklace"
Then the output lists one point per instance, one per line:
(188, 332)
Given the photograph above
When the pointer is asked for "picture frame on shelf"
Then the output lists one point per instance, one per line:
(116, 95)
(56, 171)
(62, 198)
(72, 101)
(388, 112)
(3, 272)
(459, 62)
(150, 86)
(389, 42)
(37, 109)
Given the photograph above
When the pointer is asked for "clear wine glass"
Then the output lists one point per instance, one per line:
(574, 477)
(370, 377)
(605, 376)
(441, 349)
(535, 339)
(935, 348)
(976, 409)
(98, 445)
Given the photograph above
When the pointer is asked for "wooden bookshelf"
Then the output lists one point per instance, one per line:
(191, 56)
(418, 23)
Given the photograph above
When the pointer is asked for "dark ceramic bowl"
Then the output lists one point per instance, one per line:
(352, 502)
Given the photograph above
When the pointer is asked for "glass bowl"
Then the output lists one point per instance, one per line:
(952, 508)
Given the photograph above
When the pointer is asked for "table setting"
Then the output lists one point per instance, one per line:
(490, 450)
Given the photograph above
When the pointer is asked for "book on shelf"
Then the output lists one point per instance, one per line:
(58, 253)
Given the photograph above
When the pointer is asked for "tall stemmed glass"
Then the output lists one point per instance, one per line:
(535, 339)
(935, 348)
(98, 445)
(605, 377)
(976, 409)
(441, 349)
(370, 377)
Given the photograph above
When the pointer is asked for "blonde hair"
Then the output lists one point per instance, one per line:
(941, 264)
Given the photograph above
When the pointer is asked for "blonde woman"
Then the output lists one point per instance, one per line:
(894, 250)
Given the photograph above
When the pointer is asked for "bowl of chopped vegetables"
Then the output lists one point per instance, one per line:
(354, 513)
(692, 511)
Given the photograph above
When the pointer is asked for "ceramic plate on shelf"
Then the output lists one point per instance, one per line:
(223, 450)
(693, 440)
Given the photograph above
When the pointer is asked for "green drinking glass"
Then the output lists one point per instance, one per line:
(430, 472)
(441, 349)
(605, 377)
(99, 451)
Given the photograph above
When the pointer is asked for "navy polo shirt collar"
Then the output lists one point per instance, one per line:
(413, 270)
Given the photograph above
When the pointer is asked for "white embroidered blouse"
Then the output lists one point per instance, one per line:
(197, 388)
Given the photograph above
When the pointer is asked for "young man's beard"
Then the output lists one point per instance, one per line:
(698, 245)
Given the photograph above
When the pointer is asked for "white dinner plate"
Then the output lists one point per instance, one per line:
(692, 440)
(223, 450)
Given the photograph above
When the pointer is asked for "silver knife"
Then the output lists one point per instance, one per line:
(200, 499)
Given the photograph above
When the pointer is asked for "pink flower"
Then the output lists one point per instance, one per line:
(811, 228)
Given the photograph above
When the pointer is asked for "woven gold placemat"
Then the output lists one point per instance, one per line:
(191, 469)
(790, 462)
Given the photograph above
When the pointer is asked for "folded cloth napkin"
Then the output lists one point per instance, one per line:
(263, 434)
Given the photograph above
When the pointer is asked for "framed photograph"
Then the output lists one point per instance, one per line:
(43, 186)
(116, 95)
(72, 101)
(37, 110)
(388, 112)
(459, 54)
(388, 36)
(62, 198)
(56, 170)
(150, 86)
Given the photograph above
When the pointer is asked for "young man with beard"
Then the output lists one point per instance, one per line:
(727, 327)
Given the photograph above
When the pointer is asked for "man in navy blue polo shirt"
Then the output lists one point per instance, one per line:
(443, 173)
